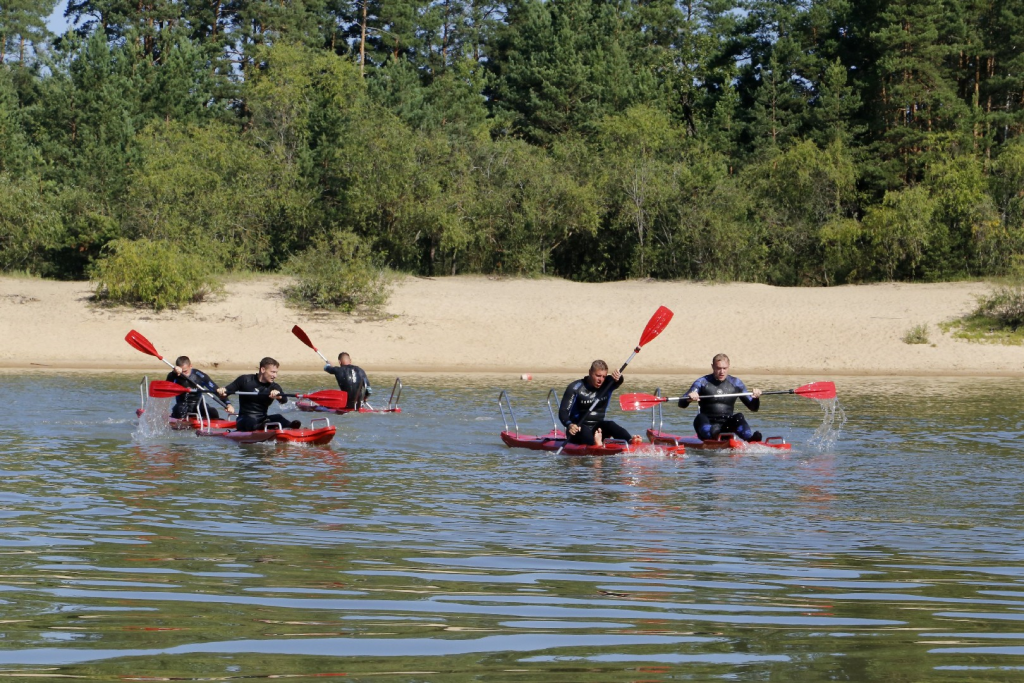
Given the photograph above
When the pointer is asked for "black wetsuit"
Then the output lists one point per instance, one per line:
(252, 410)
(353, 380)
(188, 404)
(576, 403)
(716, 415)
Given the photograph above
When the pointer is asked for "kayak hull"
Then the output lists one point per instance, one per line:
(194, 423)
(320, 436)
(554, 440)
(311, 407)
(727, 442)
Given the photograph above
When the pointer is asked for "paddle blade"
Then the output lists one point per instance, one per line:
(137, 341)
(330, 398)
(163, 389)
(639, 401)
(658, 322)
(817, 390)
(303, 337)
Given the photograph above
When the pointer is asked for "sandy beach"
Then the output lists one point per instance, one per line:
(481, 324)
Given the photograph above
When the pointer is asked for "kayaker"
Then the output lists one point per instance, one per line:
(717, 415)
(351, 379)
(185, 375)
(252, 410)
(588, 427)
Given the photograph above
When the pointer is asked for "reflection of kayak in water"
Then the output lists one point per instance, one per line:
(724, 442)
(314, 435)
(555, 440)
(391, 407)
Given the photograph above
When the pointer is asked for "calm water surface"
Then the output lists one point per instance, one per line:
(416, 547)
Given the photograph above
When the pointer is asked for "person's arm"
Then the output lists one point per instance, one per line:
(751, 402)
(281, 398)
(366, 382)
(329, 369)
(566, 405)
(204, 381)
(232, 388)
(687, 398)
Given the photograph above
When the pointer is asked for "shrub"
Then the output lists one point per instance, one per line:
(918, 334)
(339, 274)
(157, 274)
(1005, 305)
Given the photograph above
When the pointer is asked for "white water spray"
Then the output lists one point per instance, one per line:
(833, 419)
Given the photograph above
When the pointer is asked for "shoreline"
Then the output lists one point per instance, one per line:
(157, 372)
(514, 326)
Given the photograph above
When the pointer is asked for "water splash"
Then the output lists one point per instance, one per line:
(833, 419)
(153, 422)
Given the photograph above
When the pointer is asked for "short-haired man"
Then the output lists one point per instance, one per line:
(351, 379)
(583, 407)
(185, 375)
(717, 415)
(252, 408)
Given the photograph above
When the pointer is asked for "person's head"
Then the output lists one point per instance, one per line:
(268, 369)
(598, 371)
(184, 363)
(720, 366)
(344, 358)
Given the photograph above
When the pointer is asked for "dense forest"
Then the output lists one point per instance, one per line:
(817, 142)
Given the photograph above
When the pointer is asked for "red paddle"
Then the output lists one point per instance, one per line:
(655, 326)
(329, 398)
(304, 338)
(137, 341)
(817, 390)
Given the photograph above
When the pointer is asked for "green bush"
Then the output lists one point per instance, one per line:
(157, 274)
(338, 274)
(918, 334)
(1005, 305)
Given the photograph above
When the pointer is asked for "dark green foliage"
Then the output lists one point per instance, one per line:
(150, 273)
(338, 273)
(779, 141)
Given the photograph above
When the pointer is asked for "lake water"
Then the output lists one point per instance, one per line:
(416, 547)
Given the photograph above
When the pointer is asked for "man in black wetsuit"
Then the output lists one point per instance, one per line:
(582, 425)
(717, 415)
(185, 375)
(252, 410)
(351, 379)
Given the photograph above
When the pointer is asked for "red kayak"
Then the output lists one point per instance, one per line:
(313, 435)
(724, 442)
(310, 407)
(193, 422)
(391, 407)
(555, 440)
(319, 436)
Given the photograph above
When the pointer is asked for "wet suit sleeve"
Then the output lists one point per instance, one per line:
(567, 404)
(203, 380)
(754, 404)
(684, 402)
(366, 381)
(281, 397)
(236, 385)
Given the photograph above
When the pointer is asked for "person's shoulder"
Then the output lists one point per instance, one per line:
(575, 385)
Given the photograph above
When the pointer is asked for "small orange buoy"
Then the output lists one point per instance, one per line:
(526, 377)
